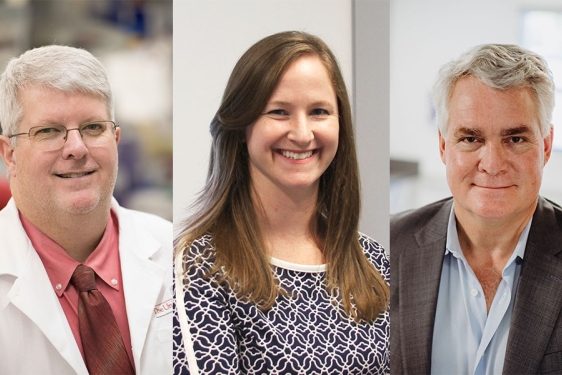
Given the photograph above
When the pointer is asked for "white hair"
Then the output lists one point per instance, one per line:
(62, 68)
(500, 66)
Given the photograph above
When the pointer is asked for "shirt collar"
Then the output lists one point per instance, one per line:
(453, 246)
(104, 260)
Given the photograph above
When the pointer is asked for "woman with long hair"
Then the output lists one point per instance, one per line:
(272, 275)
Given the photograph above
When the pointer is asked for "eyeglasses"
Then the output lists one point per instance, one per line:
(53, 137)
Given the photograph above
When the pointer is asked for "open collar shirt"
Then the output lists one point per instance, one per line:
(467, 339)
(105, 262)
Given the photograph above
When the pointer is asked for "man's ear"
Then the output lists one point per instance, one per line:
(442, 147)
(117, 135)
(548, 144)
(7, 153)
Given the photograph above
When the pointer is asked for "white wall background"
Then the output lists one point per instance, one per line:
(424, 35)
(209, 38)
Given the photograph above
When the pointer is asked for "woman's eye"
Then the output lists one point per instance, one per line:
(319, 112)
(278, 112)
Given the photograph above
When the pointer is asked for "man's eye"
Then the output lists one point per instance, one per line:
(93, 127)
(516, 139)
(47, 131)
(469, 139)
(319, 112)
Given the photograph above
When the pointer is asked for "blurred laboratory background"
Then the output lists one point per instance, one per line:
(133, 40)
(424, 35)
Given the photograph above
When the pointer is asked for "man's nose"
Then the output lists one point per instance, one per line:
(74, 145)
(493, 158)
(301, 129)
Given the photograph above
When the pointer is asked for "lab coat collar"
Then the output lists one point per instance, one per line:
(142, 282)
(31, 288)
(142, 277)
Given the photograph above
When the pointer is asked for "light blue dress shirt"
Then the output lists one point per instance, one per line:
(467, 340)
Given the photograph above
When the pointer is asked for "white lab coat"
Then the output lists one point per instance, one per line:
(35, 337)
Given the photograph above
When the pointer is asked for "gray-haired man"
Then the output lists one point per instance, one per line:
(477, 278)
(84, 283)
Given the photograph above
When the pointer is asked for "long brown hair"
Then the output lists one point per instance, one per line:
(225, 209)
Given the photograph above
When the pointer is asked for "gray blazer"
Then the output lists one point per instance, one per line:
(417, 247)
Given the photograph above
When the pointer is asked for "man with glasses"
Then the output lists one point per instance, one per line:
(84, 283)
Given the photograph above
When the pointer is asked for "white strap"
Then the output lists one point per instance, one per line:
(182, 316)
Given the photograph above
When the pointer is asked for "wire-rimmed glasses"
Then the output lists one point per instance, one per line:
(53, 137)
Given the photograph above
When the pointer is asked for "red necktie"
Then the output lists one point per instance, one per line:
(103, 345)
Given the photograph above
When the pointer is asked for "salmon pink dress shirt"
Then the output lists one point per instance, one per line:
(105, 262)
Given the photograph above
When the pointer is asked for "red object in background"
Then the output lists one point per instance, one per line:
(5, 193)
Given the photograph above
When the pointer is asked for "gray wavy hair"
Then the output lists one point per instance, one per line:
(62, 68)
(501, 66)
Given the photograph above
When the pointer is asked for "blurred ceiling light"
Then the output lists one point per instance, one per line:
(17, 3)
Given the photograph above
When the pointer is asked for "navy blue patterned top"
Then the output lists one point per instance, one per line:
(305, 333)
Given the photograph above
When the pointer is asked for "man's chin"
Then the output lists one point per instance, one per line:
(81, 205)
(493, 210)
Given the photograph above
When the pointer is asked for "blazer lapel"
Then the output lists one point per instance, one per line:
(538, 301)
(420, 271)
(142, 279)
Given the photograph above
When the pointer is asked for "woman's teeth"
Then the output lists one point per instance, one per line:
(297, 155)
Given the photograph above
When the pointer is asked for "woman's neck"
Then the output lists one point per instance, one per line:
(284, 219)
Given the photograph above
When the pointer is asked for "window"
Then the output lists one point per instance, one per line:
(541, 32)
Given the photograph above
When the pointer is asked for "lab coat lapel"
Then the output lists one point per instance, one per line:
(32, 293)
(142, 279)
